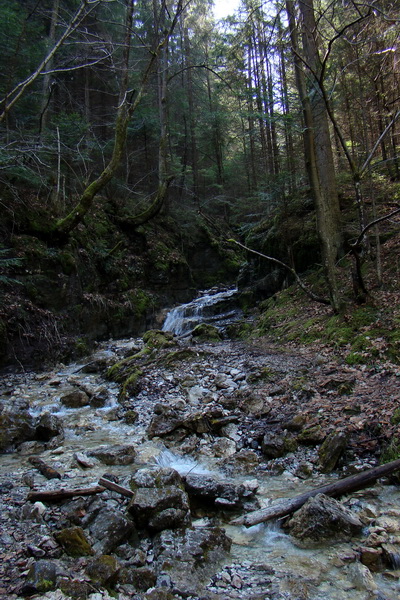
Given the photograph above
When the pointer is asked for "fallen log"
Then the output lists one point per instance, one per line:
(116, 488)
(44, 468)
(338, 488)
(63, 494)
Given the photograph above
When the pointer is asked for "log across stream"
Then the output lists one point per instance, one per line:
(338, 488)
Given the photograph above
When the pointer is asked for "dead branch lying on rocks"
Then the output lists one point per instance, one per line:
(338, 488)
(116, 488)
(44, 468)
(63, 494)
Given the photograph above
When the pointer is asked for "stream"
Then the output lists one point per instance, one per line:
(264, 563)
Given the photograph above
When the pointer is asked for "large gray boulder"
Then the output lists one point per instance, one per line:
(160, 501)
(322, 518)
(200, 551)
(110, 528)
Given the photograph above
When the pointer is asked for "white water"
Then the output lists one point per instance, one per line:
(184, 318)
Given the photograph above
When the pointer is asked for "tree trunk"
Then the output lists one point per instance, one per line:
(318, 149)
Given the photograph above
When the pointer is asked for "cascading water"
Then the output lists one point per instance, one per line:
(216, 307)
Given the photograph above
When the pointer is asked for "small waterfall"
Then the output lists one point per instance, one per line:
(211, 307)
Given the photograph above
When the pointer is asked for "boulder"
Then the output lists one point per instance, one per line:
(103, 570)
(205, 332)
(142, 578)
(110, 528)
(115, 455)
(159, 501)
(74, 541)
(324, 518)
(15, 427)
(200, 550)
(331, 450)
(75, 399)
(41, 578)
(165, 421)
(217, 493)
(49, 426)
(275, 445)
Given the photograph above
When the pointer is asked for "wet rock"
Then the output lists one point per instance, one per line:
(160, 508)
(159, 501)
(204, 332)
(41, 578)
(199, 551)
(391, 555)
(324, 518)
(99, 397)
(371, 558)
(331, 450)
(74, 541)
(15, 427)
(110, 528)
(103, 570)
(165, 421)
(115, 455)
(361, 577)
(212, 492)
(276, 445)
(83, 460)
(244, 461)
(76, 398)
(49, 426)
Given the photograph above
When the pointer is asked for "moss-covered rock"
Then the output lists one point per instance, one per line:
(103, 570)
(206, 332)
(74, 541)
(331, 451)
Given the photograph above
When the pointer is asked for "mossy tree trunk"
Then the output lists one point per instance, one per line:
(127, 105)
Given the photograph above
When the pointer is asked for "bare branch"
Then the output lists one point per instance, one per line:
(301, 283)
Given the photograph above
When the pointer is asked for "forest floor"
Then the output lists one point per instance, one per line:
(356, 386)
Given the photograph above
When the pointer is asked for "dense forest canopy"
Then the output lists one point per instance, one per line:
(278, 122)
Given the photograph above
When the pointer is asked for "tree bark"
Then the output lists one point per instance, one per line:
(317, 144)
(57, 495)
(339, 488)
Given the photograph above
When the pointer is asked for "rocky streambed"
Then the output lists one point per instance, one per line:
(193, 433)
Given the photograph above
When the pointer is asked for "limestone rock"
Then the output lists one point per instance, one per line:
(103, 570)
(275, 445)
(15, 427)
(210, 491)
(165, 421)
(74, 541)
(75, 399)
(331, 450)
(324, 518)
(41, 578)
(110, 528)
(49, 426)
(199, 551)
(115, 455)
(160, 501)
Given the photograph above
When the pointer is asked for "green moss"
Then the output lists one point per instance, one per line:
(355, 358)
(74, 541)
(205, 332)
(395, 419)
(391, 452)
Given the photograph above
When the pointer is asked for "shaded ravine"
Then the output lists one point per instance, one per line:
(263, 561)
